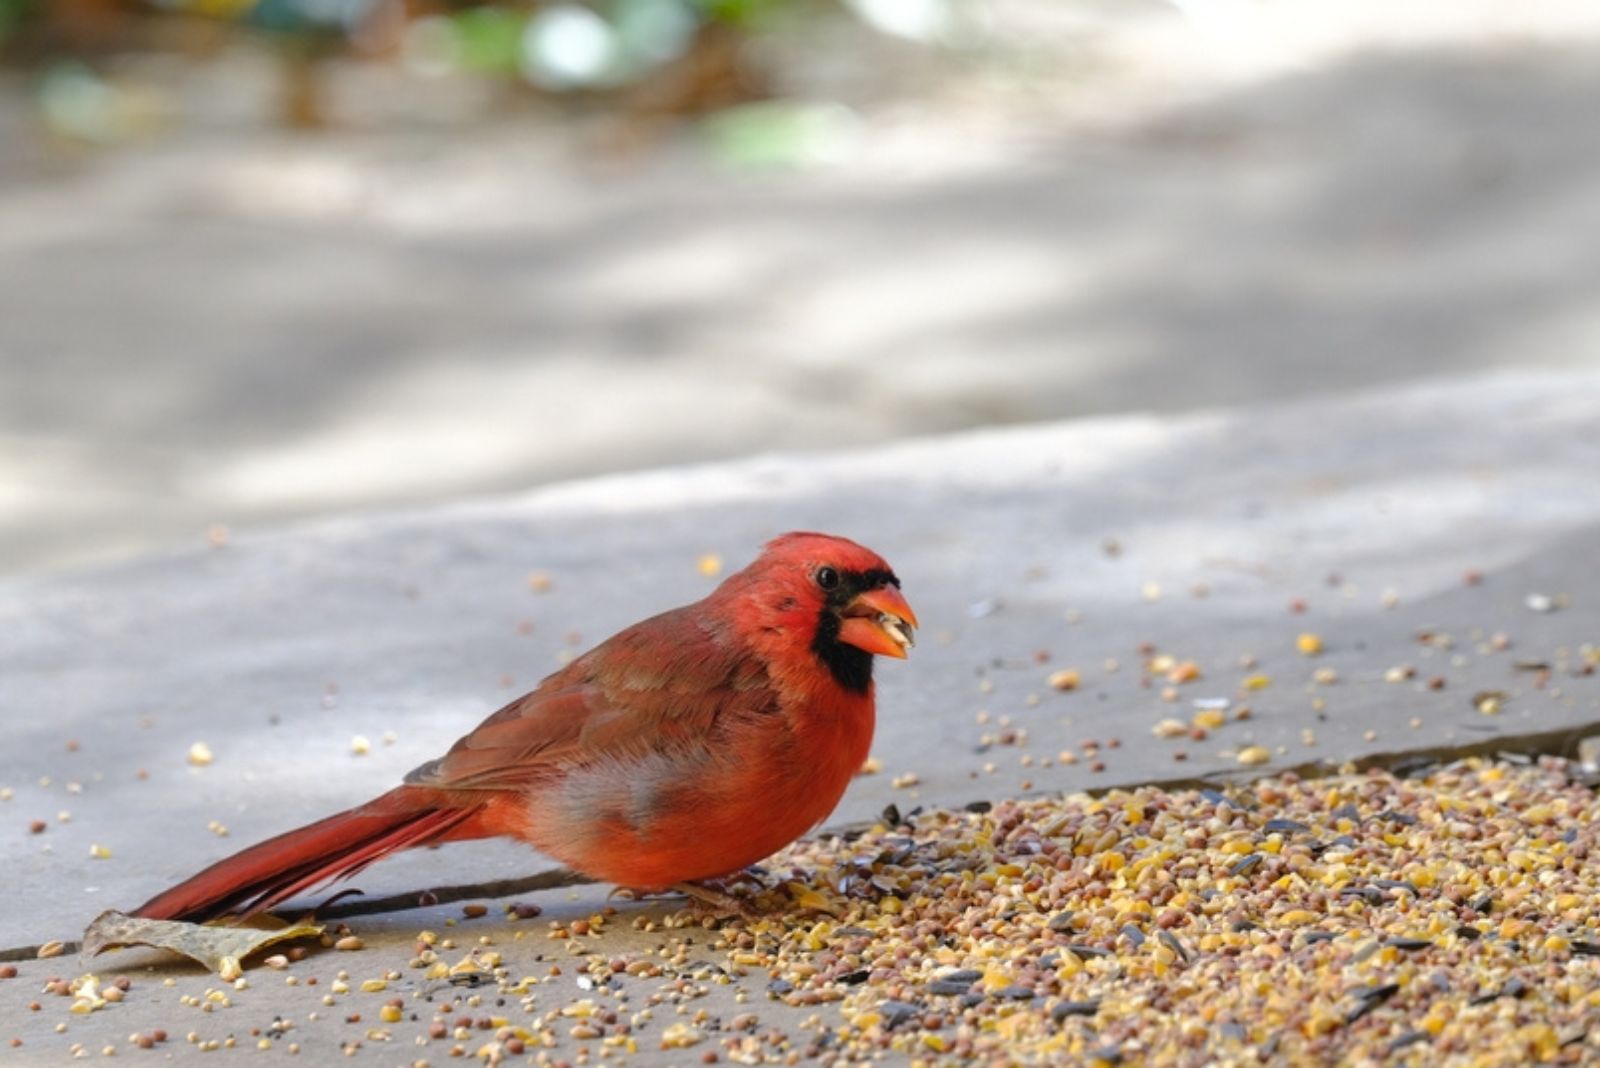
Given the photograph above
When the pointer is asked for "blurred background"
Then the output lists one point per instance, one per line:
(267, 259)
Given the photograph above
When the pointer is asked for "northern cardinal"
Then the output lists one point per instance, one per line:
(686, 747)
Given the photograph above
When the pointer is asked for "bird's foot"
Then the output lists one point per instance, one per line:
(719, 904)
(706, 900)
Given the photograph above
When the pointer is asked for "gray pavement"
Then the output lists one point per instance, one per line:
(1433, 511)
(295, 1014)
(276, 650)
(1380, 259)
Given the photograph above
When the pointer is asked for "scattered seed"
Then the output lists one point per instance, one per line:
(1184, 671)
(1064, 1009)
(1065, 679)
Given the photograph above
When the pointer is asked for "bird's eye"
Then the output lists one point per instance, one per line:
(827, 578)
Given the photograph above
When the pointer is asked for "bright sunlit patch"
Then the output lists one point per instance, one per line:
(941, 21)
(568, 47)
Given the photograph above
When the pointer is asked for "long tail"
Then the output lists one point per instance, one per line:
(270, 873)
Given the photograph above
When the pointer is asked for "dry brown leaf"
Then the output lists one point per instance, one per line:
(218, 948)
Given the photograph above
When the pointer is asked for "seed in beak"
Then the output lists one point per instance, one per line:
(896, 628)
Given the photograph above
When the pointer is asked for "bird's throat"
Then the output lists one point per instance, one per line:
(850, 667)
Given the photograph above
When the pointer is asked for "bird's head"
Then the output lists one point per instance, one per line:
(841, 598)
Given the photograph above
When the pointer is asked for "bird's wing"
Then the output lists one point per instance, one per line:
(666, 682)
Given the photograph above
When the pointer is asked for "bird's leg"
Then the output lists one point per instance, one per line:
(702, 898)
(718, 903)
(754, 875)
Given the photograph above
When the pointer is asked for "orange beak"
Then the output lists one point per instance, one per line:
(880, 622)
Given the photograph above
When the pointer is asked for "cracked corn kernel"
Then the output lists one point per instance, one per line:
(1065, 679)
(1186, 671)
(680, 1036)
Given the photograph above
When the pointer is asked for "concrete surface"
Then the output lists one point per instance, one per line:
(298, 1022)
(276, 650)
(1111, 207)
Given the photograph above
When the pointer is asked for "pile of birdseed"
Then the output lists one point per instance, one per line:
(1362, 918)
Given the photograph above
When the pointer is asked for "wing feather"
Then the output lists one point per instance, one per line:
(665, 683)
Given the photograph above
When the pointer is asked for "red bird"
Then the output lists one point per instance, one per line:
(686, 747)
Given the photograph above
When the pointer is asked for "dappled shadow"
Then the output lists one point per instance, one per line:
(1389, 217)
